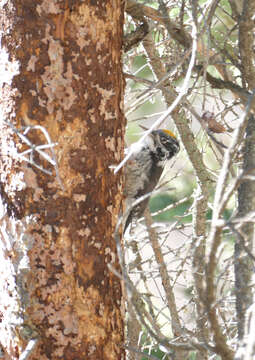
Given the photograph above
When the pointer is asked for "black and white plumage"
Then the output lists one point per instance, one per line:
(144, 168)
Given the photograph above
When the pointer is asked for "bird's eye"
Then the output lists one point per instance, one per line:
(166, 142)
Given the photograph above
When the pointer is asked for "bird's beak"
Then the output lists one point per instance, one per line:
(146, 129)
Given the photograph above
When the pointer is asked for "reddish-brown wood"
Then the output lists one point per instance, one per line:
(65, 74)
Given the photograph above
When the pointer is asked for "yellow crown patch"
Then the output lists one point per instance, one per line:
(168, 132)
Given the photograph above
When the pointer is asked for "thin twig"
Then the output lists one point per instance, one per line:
(29, 349)
(182, 92)
(22, 134)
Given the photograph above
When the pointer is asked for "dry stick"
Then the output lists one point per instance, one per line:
(172, 206)
(215, 237)
(37, 148)
(170, 298)
(178, 330)
(134, 328)
(181, 122)
(250, 330)
(134, 297)
(29, 349)
(246, 29)
(159, 71)
(146, 94)
(229, 155)
(174, 104)
(133, 38)
(242, 241)
(186, 104)
(138, 265)
(202, 176)
(220, 341)
(198, 249)
(143, 315)
(137, 302)
(140, 12)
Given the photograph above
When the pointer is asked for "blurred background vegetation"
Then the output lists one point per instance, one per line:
(180, 174)
(161, 37)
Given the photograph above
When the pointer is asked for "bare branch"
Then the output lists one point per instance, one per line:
(22, 134)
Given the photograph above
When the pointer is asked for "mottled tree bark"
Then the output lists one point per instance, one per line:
(61, 69)
(244, 266)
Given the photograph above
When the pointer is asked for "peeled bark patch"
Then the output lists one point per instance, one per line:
(63, 89)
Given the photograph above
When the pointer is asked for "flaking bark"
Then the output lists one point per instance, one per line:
(63, 60)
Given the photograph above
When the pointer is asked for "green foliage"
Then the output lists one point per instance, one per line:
(161, 201)
(155, 352)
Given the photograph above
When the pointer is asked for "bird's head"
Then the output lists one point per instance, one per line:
(163, 144)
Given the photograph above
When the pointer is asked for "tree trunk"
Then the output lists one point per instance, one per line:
(244, 266)
(61, 83)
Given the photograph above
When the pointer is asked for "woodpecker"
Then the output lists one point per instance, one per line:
(144, 168)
